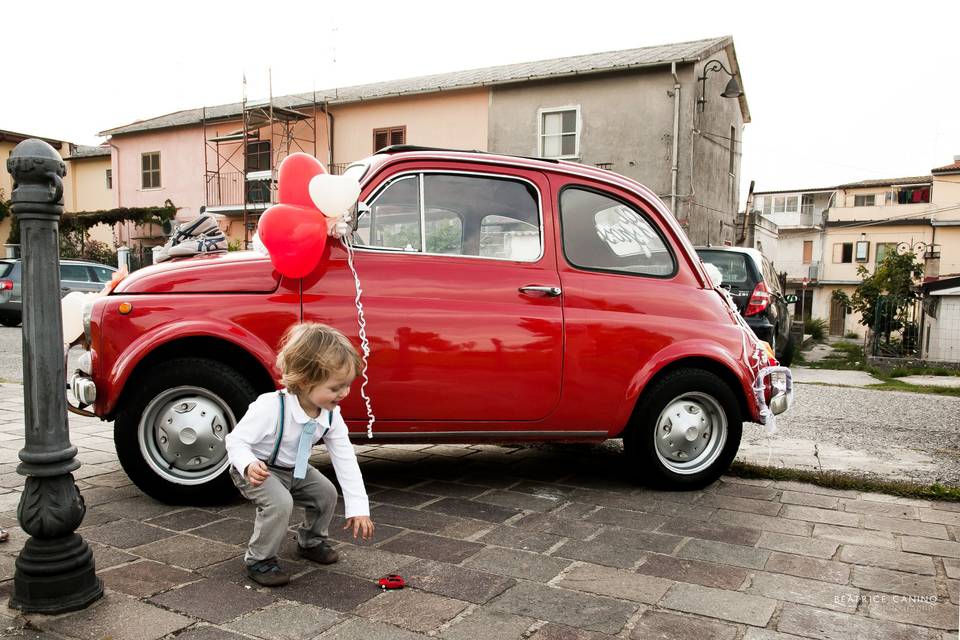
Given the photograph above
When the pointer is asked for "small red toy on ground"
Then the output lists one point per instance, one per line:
(392, 581)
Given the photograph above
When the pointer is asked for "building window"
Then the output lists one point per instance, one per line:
(807, 251)
(864, 201)
(560, 133)
(388, 137)
(890, 197)
(806, 203)
(780, 204)
(843, 252)
(258, 155)
(884, 249)
(863, 251)
(109, 178)
(150, 170)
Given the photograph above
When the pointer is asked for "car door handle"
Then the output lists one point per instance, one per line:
(550, 292)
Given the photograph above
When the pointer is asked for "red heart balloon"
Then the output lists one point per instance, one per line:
(294, 236)
(293, 179)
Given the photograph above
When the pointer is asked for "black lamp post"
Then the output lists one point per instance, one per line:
(732, 90)
(55, 570)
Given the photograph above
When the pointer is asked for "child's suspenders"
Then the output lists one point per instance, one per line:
(280, 420)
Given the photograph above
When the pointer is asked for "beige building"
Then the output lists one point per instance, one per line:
(825, 234)
(86, 187)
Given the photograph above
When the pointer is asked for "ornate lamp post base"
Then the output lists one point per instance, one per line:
(55, 576)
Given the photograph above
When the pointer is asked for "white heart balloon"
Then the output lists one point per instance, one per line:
(334, 195)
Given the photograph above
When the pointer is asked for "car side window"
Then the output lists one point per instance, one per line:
(102, 274)
(462, 214)
(604, 234)
(74, 273)
(394, 218)
(770, 275)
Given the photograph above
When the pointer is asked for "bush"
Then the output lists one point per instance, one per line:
(816, 327)
(852, 335)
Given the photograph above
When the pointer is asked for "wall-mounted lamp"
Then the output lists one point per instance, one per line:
(733, 89)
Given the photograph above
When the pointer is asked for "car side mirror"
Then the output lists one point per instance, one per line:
(791, 298)
(360, 209)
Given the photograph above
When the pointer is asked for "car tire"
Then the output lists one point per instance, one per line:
(170, 432)
(663, 442)
(10, 319)
(787, 356)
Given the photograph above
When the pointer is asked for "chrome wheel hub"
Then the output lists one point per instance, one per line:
(182, 434)
(691, 432)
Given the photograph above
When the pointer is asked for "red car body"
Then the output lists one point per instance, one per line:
(458, 352)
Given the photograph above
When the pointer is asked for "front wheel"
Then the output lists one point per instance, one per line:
(685, 432)
(170, 432)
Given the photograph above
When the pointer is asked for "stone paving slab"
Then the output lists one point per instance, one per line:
(539, 543)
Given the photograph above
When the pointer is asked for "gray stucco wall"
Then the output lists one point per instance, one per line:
(627, 121)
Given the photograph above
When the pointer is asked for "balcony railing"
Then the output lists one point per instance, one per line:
(797, 270)
(231, 189)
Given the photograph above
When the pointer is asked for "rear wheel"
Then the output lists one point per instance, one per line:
(685, 431)
(786, 357)
(170, 433)
(10, 319)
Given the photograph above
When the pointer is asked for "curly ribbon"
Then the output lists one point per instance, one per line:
(364, 343)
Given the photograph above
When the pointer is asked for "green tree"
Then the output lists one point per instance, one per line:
(884, 297)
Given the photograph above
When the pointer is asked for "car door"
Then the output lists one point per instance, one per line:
(460, 295)
(76, 277)
(778, 305)
(628, 293)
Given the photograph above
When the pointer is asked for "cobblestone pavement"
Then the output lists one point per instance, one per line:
(546, 543)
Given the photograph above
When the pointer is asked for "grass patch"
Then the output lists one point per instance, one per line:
(848, 481)
(895, 385)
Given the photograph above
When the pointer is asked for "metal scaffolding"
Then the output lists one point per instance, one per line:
(240, 167)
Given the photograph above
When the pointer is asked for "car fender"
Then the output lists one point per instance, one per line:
(166, 333)
(699, 349)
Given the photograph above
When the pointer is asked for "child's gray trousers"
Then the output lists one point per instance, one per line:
(275, 499)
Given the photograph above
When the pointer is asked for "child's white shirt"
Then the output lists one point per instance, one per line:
(255, 436)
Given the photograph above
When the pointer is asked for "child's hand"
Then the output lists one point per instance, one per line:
(362, 526)
(257, 472)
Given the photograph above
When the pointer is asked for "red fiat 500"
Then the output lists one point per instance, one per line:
(506, 299)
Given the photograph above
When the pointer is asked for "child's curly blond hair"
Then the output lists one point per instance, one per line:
(310, 353)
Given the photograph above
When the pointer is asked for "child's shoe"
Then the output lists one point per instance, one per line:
(322, 553)
(268, 573)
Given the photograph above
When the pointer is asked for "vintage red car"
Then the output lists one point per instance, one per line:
(506, 299)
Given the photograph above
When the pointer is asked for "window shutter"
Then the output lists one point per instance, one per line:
(838, 252)
(807, 251)
(398, 136)
(380, 139)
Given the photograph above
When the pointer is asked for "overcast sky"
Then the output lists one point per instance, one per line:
(839, 91)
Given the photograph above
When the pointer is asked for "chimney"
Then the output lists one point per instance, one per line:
(956, 158)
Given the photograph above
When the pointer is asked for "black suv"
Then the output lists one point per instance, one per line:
(750, 278)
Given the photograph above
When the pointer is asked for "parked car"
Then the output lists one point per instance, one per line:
(75, 275)
(506, 299)
(750, 278)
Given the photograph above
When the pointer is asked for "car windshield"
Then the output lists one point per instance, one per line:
(733, 266)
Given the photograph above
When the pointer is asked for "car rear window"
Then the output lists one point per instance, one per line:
(5, 269)
(733, 266)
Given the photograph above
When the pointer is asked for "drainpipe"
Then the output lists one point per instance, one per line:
(674, 165)
(116, 185)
